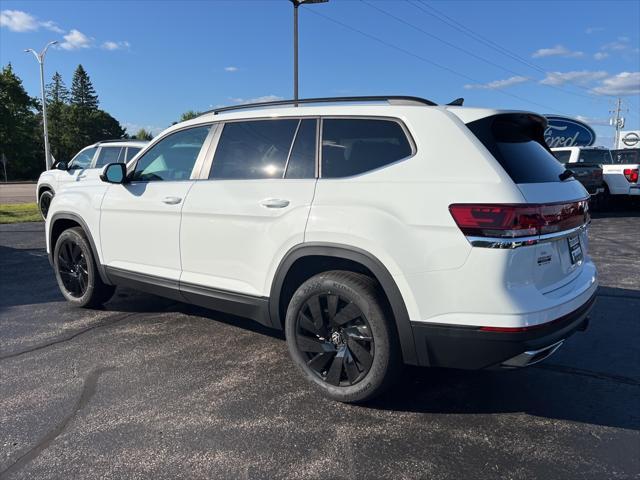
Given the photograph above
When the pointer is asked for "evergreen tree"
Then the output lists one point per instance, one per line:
(57, 96)
(56, 91)
(20, 132)
(142, 134)
(82, 92)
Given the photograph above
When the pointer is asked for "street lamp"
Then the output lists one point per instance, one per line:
(40, 59)
(296, 4)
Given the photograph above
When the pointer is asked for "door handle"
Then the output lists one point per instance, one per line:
(274, 203)
(171, 200)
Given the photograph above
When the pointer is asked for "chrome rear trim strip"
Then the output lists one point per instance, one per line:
(510, 243)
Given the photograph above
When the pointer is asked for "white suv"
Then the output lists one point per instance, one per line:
(86, 164)
(373, 232)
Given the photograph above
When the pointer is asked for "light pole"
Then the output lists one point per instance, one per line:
(40, 59)
(296, 4)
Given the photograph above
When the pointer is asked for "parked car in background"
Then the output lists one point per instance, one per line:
(86, 164)
(621, 179)
(373, 231)
(586, 170)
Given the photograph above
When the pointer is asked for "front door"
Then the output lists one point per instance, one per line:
(140, 220)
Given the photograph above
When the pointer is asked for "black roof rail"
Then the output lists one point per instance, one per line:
(114, 140)
(395, 99)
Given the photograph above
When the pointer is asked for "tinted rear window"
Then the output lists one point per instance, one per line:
(629, 155)
(563, 156)
(355, 146)
(517, 143)
(595, 156)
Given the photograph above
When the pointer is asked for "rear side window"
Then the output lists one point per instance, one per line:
(354, 146)
(131, 152)
(517, 143)
(302, 161)
(253, 149)
(595, 156)
(107, 155)
(563, 156)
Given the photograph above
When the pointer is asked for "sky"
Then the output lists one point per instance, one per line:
(150, 61)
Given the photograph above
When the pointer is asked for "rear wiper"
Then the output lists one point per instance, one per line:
(566, 174)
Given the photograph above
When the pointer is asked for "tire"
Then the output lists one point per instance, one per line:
(340, 336)
(44, 201)
(76, 270)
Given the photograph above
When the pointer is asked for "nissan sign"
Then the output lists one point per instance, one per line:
(568, 132)
(629, 139)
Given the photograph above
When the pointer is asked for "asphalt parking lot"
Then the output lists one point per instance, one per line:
(149, 388)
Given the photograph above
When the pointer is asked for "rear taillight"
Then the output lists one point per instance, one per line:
(513, 221)
(631, 174)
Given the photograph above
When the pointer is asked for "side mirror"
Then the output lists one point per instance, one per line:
(114, 173)
(62, 165)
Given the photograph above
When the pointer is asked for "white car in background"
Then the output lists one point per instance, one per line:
(620, 179)
(86, 164)
(374, 231)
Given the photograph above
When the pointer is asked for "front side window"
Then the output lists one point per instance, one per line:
(354, 146)
(253, 149)
(173, 157)
(83, 158)
(108, 155)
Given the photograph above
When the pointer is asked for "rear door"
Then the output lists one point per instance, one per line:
(517, 143)
(251, 208)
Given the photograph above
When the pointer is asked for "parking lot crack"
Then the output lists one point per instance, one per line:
(88, 390)
(115, 319)
(589, 373)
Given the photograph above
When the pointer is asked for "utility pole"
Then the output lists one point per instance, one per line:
(296, 4)
(40, 59)
(617, 121)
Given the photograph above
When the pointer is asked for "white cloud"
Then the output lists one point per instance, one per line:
(617, 46)
(497, 84)
(590, 30)
(265, 98)
(600, 55)
(557, 51)
(110, 45)
(231, 69)
(75, 39)
(19, 21)
(578, 77)
(624, 83)
(593, 120)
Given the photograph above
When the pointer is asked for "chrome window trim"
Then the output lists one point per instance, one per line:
(204, 174)
(405, 130)
(511, 243)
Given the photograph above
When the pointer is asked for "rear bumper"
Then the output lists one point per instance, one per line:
(472, 348)
(634, 190)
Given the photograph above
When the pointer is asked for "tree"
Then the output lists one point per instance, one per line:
(57, 91)
(20, 140)
(188, 115)
(82, 92)
(142, 134)
(57, 96)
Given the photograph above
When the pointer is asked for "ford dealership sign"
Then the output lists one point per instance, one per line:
(568, 132)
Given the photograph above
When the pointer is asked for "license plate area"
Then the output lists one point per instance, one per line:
(575, 249)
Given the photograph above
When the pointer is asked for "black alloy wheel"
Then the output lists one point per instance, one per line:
(73, 268)
(335, 339)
